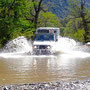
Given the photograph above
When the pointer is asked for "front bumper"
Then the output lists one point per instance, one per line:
(42, 52)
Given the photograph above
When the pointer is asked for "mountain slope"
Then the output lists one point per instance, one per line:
(60, 7)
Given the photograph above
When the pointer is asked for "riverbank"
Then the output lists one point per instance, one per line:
(74, 85)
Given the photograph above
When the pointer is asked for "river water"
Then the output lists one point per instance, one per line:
(65, 66)
(29, 69)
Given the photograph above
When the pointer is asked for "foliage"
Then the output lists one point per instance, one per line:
(20, 17)
(79, 35)
(78, 23)
(12, 19)
(48, 19)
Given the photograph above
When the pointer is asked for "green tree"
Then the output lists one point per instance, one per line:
(79, 19)
(48, 19)
(21, 17)
(13, 22)
(35, 8)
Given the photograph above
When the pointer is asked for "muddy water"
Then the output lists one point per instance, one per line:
(29, 69)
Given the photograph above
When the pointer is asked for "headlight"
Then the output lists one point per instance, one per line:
(48, 47)
(35, 47)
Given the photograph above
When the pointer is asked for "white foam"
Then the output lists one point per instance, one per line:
(20, 44)
(71, 48)
(22, 55)
(67, 46)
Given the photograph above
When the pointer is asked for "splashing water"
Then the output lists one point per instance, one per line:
(18, 45)
(72, 48)
(64, 46)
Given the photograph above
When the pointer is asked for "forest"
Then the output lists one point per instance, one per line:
(22, 17)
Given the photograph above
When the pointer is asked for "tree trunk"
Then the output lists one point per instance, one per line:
(84, 21)
(36, 19)
(37, 11)
(86, 29)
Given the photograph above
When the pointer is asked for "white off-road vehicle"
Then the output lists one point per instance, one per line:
(45, 40)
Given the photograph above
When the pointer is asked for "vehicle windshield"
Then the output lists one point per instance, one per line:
(44, 37)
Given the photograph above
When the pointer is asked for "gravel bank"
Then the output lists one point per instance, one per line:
(74, 85)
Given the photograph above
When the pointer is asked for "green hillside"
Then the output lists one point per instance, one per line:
(60, 7)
